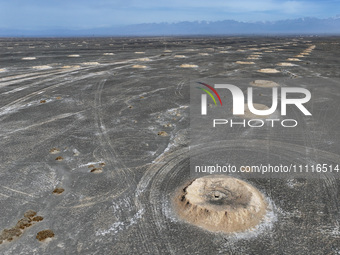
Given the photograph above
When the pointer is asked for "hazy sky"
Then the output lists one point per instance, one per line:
(31, 14)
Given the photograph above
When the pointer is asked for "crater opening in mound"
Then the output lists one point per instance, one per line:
(221, 203)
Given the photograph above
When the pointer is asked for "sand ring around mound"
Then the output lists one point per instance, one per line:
(268, 70)
(221, 203)
(44, 67)
(139, 66)
(285, 64)
(143, 59)
(245, 63)
(73, 56)
(293, 59)
(188, 66)
(29, 58)
(68, 67)
(264, 84)
(90, 63)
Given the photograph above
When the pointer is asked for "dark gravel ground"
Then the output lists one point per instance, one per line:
(105, 121)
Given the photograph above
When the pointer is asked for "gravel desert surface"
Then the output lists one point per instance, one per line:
(95, 146)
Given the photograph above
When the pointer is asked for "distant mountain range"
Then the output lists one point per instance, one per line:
(302, 26)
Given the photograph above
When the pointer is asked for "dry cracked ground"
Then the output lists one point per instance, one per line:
(94, 147)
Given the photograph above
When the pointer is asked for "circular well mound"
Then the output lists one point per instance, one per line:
(221, 204)
(264, 83)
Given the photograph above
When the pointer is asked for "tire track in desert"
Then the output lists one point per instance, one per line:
(32, 77)
(150, 196)
(156, 187)
(25, 158)
(16, 103)
(119, 171)
(328, 180)
(22, 77)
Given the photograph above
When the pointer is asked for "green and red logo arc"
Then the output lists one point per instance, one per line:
(209, 93)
